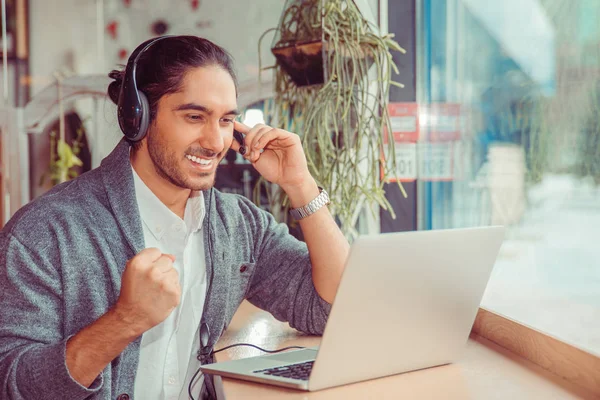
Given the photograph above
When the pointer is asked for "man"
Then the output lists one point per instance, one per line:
(110, 282)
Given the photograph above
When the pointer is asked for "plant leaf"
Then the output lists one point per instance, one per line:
(62, 148)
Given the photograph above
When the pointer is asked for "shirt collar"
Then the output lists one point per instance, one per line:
(159, 219)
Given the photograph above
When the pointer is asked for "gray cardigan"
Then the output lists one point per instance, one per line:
(61, 260)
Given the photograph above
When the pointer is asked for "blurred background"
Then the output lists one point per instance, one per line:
(497, 122)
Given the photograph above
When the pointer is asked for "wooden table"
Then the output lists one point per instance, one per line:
(485, 371)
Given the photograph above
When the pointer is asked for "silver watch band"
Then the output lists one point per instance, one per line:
(302, 212)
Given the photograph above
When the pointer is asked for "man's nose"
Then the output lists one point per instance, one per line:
(213, 139)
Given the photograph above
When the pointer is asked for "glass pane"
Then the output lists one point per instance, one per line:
(525, 75)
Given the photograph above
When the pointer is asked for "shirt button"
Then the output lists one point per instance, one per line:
(123, 396)
(243, 268)
(172, 380)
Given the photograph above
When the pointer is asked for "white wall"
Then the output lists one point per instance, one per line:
(62, 35)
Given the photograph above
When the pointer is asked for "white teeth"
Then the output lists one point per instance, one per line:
(198, 160)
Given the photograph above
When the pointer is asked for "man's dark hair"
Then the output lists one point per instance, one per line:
(161, 68)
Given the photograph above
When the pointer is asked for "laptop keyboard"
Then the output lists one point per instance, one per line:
(293, 371)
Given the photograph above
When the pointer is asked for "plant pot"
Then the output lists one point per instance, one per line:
(303, 62)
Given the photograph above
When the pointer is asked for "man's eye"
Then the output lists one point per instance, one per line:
(227, 120)
(194, 117)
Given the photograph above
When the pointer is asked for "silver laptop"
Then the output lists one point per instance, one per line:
(407, 301)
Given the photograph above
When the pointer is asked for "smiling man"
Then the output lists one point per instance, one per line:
(118, 284)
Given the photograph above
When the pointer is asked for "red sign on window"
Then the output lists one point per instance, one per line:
(424, 137)
(404, 119)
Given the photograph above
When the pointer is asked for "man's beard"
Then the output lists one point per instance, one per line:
(167, 165)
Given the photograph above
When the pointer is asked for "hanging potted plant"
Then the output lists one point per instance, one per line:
(299, 44)
(332, 78)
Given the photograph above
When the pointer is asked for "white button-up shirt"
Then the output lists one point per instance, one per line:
(168, 350)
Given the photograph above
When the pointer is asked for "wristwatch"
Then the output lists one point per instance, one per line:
(302, 212)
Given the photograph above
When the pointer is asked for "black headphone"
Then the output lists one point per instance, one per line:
(133, 110)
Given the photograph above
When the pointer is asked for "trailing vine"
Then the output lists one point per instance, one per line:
(343, 122)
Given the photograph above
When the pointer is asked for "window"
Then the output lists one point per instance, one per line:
(523, 80)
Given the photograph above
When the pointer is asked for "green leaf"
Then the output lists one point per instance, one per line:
(62, 148)
(76, 161)
(67, 158)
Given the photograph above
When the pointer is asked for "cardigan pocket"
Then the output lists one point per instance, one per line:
(239, 284)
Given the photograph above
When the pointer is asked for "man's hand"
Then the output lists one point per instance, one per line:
(149, 292)
(276, 154)
(150, 289)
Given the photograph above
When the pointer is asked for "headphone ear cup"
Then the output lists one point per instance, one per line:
(133, 109)
(144, 118)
